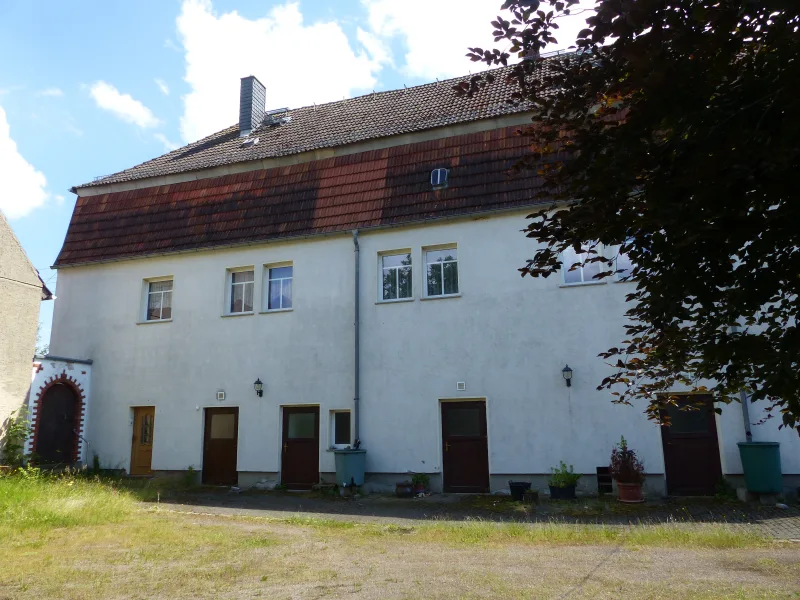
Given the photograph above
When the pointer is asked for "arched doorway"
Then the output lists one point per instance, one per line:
(56, 438)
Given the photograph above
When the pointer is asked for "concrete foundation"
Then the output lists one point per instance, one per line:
(249, 479)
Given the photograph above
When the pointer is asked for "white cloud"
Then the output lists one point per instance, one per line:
(52, 92)
(168, 145)
(122, 105)
(437, 33)
(162, 86)
(24, 188)
(299, 63)
(59, 199)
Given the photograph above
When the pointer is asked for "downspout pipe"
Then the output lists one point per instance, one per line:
(748, 434)
(357, 362)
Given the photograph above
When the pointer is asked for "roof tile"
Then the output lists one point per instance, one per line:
(309, 198)
(376, 115)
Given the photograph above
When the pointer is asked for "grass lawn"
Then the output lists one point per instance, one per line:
(73, 538)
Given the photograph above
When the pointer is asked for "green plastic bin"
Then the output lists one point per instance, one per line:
(761, 462)
(350, 466)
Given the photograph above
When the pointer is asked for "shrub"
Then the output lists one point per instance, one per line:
(563, 476)
(626, 467)
(420, 479)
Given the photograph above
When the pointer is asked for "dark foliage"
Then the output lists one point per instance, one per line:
(672, 134)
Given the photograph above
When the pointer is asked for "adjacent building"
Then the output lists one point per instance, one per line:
(309, 277)
(21, 293)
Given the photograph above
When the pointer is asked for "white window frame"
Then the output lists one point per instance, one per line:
(229, 289)
(425, 264)
(267, 279)
(145, 298)
(381, 255)
(332, 431)
(438, 173)
(599, 249)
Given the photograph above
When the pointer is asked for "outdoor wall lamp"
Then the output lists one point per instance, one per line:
(567, 373)
(259, 387)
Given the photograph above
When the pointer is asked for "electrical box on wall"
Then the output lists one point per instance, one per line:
(461, 386)
(220, 395)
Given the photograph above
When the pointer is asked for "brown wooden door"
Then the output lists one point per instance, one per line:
(220, 443)
(300, 450)
(465, 450)
(144, 419)
(691, 450)
(56, 440)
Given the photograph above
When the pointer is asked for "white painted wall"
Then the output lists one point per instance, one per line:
(507, 337)
(303, 356)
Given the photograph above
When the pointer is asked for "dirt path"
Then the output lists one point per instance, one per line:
(783, 524)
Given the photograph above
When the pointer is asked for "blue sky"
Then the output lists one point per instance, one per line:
(91, 87)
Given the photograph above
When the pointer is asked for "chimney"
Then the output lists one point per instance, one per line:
(252, 102)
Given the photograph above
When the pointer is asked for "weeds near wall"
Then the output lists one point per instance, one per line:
(14, 433)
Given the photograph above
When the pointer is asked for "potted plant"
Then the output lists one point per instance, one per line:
(420, 482)
(563, 481)
(628, 470)
(404, 489)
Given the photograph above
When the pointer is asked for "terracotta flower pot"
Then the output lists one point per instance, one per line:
(404, 490)
(630, 493)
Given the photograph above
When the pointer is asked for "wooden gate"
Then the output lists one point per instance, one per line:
(56, 440)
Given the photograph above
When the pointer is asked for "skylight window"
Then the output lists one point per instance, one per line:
(439, 177)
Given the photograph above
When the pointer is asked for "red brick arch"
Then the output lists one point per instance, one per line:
(65, 379)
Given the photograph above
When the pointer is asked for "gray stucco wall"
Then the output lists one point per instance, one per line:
(20, 297)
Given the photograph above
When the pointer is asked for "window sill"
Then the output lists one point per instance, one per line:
(398, 300)
(582, 284)
(275, 310)
(154, 321)
(241, 314)
(443, 297)
(339, 447)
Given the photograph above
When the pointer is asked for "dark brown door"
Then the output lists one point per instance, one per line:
(300, 451)
(56, 440)
(220, 445)
(691, 450)
(465, 451)
(144, 418)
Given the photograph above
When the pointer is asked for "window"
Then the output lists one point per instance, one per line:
(584, 274)
(442, 272)
(439, 177)
(241, 300)
(279, 287)
(146, 433)
(623, 266)
(396, 269)
(340, 428)
(159, 300)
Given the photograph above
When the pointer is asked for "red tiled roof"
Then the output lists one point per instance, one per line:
(339, 123)
(357, 191)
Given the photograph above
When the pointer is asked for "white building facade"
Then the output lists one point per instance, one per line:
(458, 353)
